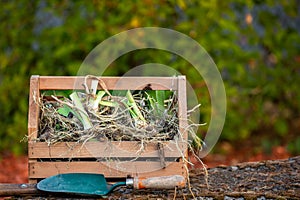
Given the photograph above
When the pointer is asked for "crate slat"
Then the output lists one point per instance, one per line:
(99, 149)
(33, 114)
(113, 83)
(46, 169)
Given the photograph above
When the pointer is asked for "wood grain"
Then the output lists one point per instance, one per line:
(99, 149)
(109, 169)
(112, 83)
(33, 113)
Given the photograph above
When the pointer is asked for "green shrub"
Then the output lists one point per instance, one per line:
(255, 45)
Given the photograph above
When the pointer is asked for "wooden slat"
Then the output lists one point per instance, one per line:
(112, 83)
(182, 106)
(99, 149)
(33, 114)
(147, 169)
(182, 112)
(33, 110)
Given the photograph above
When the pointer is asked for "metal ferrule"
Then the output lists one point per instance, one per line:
(129, 182)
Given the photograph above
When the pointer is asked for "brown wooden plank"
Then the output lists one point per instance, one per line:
(33, 113)
(182, 106)
(25, 189)
(112, 83)
(182, 112)
(146, 169)
(100, 150)
(33, 110)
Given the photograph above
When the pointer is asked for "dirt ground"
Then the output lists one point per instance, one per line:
(14, 168)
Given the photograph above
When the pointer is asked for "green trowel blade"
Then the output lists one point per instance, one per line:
(77, 183)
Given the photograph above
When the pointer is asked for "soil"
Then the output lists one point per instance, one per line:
(14, 169)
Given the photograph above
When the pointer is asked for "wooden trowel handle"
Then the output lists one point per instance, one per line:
(162, 182)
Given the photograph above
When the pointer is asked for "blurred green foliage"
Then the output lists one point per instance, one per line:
(255, 44)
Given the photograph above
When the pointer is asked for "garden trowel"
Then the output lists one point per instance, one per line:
(95, 184)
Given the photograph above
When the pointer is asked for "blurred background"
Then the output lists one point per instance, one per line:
(255, 44)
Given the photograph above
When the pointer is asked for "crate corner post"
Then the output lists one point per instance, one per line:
(33, 120)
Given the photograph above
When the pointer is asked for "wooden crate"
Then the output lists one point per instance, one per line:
(49, 160)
